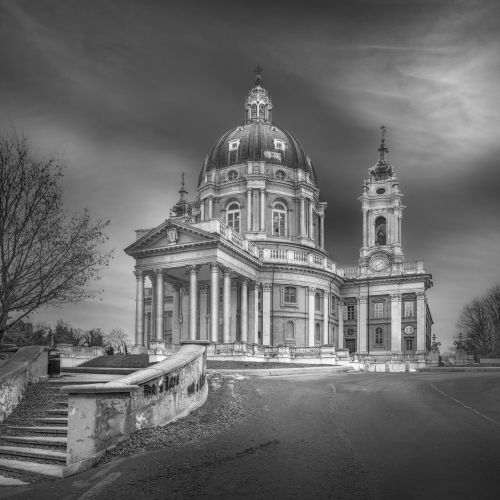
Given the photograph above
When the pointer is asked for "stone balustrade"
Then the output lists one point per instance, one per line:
(101, 415)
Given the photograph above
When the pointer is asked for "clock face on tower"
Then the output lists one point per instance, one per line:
(379, 263)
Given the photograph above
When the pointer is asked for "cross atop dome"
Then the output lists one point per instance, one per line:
(258, 71)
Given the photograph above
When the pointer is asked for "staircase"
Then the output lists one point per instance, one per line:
(33, 438)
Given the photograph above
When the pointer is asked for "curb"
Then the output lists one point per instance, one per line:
(450, 369)
(270, 372)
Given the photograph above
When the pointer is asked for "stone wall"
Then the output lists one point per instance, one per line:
(27, 365)
(101, 415)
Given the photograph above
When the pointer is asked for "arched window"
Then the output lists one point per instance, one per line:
(233, 216)
(262, 111)
(290, 331)
(379, 336)
(317, 302)
(279, 219)
(317, 333)
(254, 111)
(380, 231)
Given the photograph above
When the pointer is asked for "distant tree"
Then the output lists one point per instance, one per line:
(93, 338)
(119, 340)
(64, 333)
(45, 258)
(25, 333)
(479, 324)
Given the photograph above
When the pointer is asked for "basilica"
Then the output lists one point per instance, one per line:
(245, 261)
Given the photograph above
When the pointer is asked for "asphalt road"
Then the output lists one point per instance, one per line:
(404, 436)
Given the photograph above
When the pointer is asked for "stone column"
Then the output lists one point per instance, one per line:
(262, 210)
(365, 235)
(226, 306)
(177, 312)
(266, 313)
(139, 309)
(310, 317)
(214, 302)
(233, 322)
(322, 231)
(311, 228)
(325, 317)
(255, 316)
(159, 304)
(249, 209)
(193, 303)
(340, 340)
(244, 310)
(420, 322)
(362, 332)
(203, 335)
(210, 207)
(302, 217)
(202, 210)
(396, 323)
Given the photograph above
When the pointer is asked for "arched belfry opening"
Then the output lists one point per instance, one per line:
(380, 231)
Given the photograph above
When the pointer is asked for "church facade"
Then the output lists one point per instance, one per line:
(245, 262)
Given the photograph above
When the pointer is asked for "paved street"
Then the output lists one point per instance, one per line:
(355, 435)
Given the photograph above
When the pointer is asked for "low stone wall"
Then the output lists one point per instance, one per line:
(76, 355)
(101, 415)
(27, 365)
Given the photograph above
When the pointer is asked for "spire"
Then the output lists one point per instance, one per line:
(182, 190)
(382, 150)
(182, 208)
(383, 169)
(258, 106)
(258, 71)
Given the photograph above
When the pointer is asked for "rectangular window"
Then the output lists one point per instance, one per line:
(409, 344)
(350, 313)
(290, 295)
(378, 310)
(333, 304)
(409, 310)
(260, 301)
(379, 337)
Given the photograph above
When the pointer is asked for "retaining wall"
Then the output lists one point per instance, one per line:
(27, 365)
(101, 415)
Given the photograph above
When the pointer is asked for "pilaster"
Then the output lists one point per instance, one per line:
(266, 313)
(395, 323)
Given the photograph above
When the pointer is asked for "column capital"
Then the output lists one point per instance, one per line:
(395, 297)
(193, 269)
(244, 281)
(311, 290)
(420, 296)
(203, 287)
(139, 275)
(362, 299)
(157, 271)
(341, 303)
(214, 267)
(254, 285)
(266, 287)
(226, 271)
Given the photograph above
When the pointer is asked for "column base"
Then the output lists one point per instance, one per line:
(139, 349)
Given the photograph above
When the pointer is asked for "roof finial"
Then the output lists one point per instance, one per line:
(258, 71)
(182, 182)
(383, 148)
(182, 190)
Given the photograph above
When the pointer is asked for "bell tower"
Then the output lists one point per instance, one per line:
(382, 213)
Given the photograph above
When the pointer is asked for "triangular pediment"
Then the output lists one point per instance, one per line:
(170, 235)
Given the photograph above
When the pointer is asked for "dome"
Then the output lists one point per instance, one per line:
(259, 142)
(258, 139)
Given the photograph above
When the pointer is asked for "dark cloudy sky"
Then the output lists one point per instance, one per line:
(132, 93)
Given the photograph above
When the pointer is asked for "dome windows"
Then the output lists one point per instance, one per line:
(232, 175)
(233, 151)
(279, 219)
(280, 175)
(380, 191)
(279, 145)
(233, 216)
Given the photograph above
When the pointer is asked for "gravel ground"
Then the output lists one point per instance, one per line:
(235, 365)
(226, 398)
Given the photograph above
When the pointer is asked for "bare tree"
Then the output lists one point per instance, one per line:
(45, 258)
(119, 340)
(479, 324)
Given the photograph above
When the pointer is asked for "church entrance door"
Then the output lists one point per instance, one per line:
(351, 345)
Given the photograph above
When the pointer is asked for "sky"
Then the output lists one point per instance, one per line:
(131, 93)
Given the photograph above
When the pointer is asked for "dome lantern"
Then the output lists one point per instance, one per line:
(258, 105)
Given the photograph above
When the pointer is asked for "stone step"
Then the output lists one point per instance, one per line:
(42, 429)
(51, 470)
(21, 451)
(52, 420)
(41, 440)
(11, 481)
(57, 411)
